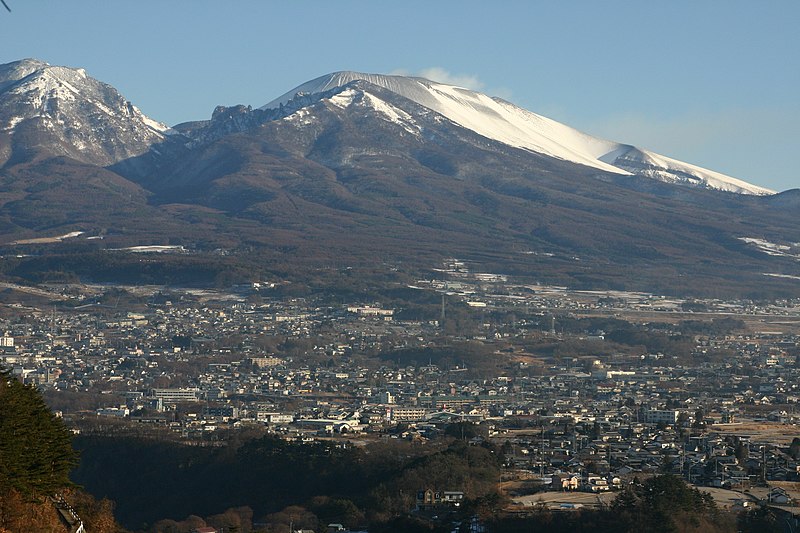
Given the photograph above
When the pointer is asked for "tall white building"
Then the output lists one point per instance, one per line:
(655, 416)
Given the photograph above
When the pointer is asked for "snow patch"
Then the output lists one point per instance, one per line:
(344, 99)
(350, 97)
(104, 108)
(154, 124)
(785, 276)
(395, 115)
(770, 248)
(670, 170)
(153, 249)
(302, 116)
(13, 123)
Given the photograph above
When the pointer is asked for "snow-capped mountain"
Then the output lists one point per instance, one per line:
(351, 167)
(502, 121)
(60, 111)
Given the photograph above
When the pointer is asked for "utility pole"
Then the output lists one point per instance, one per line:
(541, 453)
(53, 329)
(683, 456)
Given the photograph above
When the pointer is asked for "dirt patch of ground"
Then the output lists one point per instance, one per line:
(775, 433)
(565, 500)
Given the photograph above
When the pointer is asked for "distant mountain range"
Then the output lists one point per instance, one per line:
(368, 170)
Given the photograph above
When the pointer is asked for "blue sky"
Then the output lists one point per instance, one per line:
(714, 83)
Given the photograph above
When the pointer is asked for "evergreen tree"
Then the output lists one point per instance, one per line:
(794, 448)
(36, 452)
(742, 452)
(666, 503)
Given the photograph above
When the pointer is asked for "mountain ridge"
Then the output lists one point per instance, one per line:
(61, 111)
(51, 91)
(360, 172)
(503, 121)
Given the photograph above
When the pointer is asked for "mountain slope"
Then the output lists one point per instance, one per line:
(60, 131)
(402, 172)
(50, 111)
(360, 171)
(502, 121)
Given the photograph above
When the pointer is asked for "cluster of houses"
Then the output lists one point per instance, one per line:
(197, 366)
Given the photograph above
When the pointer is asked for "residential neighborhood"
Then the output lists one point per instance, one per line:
(573, 410)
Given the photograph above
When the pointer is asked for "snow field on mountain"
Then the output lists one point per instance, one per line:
(502, 121)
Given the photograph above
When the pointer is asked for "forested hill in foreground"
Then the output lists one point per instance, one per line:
(276, 483)
(36, 457)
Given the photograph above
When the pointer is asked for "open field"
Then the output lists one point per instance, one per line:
(565, 500)
(775, 433)
(753, 322)
(726, 499)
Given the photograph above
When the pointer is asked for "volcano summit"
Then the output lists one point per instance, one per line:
(351, 167)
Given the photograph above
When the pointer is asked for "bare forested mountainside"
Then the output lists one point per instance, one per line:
(385, 175)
